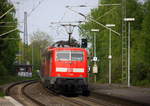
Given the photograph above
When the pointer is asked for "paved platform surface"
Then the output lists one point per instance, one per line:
(5, 102)
(9, 101)
(135, 94)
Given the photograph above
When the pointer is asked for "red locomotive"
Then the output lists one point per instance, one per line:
(65, 69)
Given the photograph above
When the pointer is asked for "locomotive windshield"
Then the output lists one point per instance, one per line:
(70, 55)
(63, 55)
(76, 55)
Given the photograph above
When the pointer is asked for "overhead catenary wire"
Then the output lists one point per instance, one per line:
(8, 32)
(106, 13)
(8, 22)
(69, 26)
(10, 39)
(6, 12)
(90, 18)
(62, 17)
(39, 3)
(57, 30)
(95, 5)
(7, 26)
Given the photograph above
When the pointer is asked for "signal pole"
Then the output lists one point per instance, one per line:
(95, 68)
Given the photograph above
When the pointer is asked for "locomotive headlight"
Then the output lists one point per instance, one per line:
(81, 75)
(58, 75)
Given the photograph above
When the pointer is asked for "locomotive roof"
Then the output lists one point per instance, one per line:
(71, 43)
(66, 48)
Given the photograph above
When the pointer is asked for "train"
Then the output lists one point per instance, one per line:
(64, 69)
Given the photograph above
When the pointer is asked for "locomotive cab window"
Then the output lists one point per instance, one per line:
(63, 55)
(48, 56)
(76, 55)
(70, 55)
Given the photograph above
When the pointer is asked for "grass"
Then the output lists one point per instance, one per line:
(9, 79)
(143, 83)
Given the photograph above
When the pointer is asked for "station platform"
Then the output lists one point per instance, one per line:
(133, 94)
(9, 101)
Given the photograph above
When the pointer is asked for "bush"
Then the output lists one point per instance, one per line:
(2, 94)
(143, 83)
(3, 70)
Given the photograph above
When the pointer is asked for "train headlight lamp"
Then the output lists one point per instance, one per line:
(81, 75)
(58, 75)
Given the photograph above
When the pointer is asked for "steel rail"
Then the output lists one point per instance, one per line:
(7, 91)
(72, 100)
(29, 82)
(30, 97)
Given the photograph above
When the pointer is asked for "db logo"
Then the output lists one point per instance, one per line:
(69, 70)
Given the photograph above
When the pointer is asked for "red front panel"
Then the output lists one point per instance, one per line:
(69, 62)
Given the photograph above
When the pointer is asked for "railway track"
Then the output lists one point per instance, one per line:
(83, 101)
(55, 99)
(32, 93)
(16, 90)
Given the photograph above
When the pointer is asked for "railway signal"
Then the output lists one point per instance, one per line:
(95, 67)
(84, 43)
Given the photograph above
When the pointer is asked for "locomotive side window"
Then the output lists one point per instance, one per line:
(70, 55)
(76, 55)
(63, 55)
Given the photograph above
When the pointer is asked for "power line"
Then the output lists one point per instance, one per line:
(8, 32)
(8, 22)
(6, 12)
(106, 13)
(60, 21)
(10, 39)
(57, 30)
(95, 21)
(69, 27)
(40, 2)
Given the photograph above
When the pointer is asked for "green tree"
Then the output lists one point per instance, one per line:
(139, 38)
(142, 68)
(8, 41)
(39, 41)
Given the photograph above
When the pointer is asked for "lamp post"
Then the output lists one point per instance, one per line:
(129, 20)
(110, 55)
(95, 68)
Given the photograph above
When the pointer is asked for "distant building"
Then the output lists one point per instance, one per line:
(24, 70)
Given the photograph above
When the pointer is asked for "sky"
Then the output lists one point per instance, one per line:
(42, 12)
